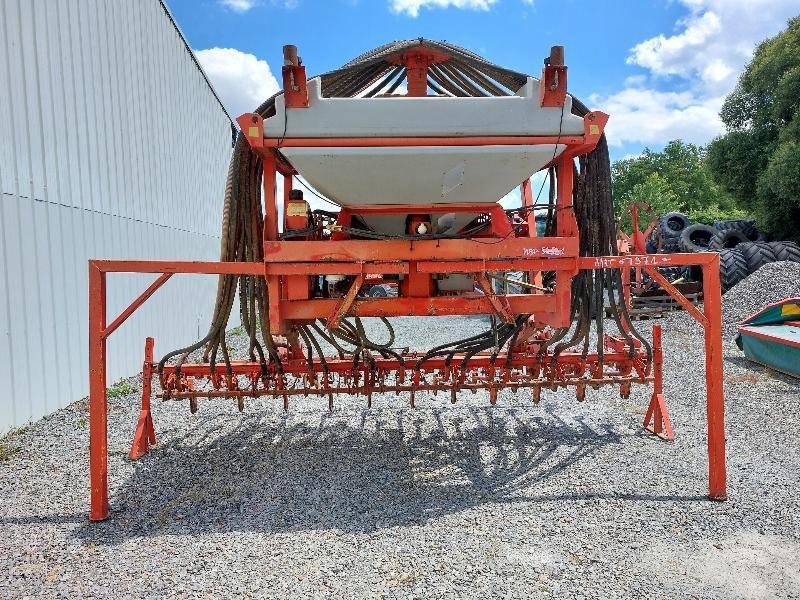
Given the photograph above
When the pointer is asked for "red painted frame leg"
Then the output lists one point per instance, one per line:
(98, 409)
(715, 400)
(145, 435)
(657, 412)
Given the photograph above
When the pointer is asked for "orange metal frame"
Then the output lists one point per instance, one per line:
(289, 266)
(657, 419)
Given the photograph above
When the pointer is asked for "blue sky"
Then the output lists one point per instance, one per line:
(661, 68)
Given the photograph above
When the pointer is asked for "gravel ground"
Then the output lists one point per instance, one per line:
(771, 283)
(561, 499)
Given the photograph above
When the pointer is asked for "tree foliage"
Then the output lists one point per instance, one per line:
(758, 159)
(676, 178)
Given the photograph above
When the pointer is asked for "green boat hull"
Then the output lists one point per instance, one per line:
(771, 336)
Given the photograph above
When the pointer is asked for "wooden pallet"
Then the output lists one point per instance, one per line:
(641, 314)
(663, 302)
(656, 303)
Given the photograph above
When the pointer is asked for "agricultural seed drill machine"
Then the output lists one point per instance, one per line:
(417, 177)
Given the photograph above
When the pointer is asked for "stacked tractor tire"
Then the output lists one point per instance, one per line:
(742, 248)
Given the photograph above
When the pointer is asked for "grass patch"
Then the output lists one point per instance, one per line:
(237, 330)
(6, 451)
(121, 388)
(404, 579)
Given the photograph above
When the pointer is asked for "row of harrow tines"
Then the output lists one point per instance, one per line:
(358, 370)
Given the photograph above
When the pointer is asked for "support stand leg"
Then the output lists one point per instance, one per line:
(657, 412)
(715, 400)
(98, 410)
(145, 435)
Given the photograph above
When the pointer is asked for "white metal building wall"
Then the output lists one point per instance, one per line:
(112, 145)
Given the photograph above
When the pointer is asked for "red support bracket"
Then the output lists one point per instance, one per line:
(136, 304)
(657, 412)
(252, 125)
(678, 296)
(553, 86)
(594, 124)
(295, 85)
(503, 310)
(145, 435)
(659, 416)
(343, 307)
(417, 61)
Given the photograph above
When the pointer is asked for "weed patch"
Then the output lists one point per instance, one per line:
(121, 388)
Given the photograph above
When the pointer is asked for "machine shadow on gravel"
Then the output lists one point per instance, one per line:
(277, 473)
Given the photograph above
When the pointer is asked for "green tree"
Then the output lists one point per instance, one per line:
(676, 178)
(758, 159)
(653, 190)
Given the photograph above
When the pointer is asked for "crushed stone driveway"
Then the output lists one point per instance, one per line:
(561, 499)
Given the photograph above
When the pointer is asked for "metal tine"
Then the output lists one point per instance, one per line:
(281, 385)
(580, 392)
(326, 385)
(536, 394)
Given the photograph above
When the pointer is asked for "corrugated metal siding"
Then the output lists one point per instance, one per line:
(112, 145)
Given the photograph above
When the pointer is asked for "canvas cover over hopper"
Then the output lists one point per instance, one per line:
(414, 175)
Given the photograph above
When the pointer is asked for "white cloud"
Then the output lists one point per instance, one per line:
(702, 59)
(412, 7)
(715, 41)
(635, 80)
(670, 55)
(646, 116)
(242, 6)
(238, 5)
(241, 80)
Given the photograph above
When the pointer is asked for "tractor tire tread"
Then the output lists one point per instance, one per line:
(696, 238)
(727, 238)
(732, 267)
(672, 224)
(757, 254)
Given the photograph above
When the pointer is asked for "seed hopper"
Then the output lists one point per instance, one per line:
(415, 142)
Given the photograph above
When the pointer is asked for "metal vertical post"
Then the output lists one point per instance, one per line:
(658, 379)
(270, 201)
(98, 410)
(287, 189)
(145, 434)
(271, 234)
(657, 410)
(715, 401)
(566, 226)
(535, 277)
